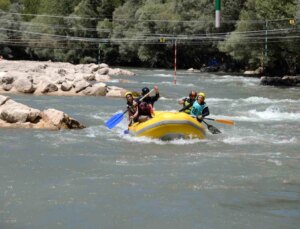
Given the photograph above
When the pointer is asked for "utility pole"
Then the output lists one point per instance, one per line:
(99, 52)
(218, 13)
(175, 60)
(266, 41)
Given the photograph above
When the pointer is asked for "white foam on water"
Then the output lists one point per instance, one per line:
(209, 100)
(258, 139)
(99, 116)
(252, 100)
(147, 140)
(276, 162)
(164, 75)
(292, 140)
(94, 131)
(228, 78)
(166, 99)
(263, 100)
(244, 140)
(271, 114)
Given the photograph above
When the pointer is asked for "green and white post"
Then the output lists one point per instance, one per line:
(218, 13)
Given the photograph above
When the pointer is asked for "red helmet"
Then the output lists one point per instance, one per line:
(193, 94)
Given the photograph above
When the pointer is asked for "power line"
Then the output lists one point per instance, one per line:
(139, 20)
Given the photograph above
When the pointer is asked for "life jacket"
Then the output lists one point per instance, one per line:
(198, 108)
(189, 104)
(145, 109)
(131, 109)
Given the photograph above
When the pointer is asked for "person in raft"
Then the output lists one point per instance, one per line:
(200, 109)
(145, 105)
(149, 99)
(188, 102)
(131, 108)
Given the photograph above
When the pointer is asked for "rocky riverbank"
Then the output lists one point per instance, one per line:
(280, 81)
(49, 78)
(17, 115)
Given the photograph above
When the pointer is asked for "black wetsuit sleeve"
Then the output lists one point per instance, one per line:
(205, 112)
(154, 98)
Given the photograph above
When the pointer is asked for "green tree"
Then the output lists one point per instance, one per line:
(12, 45)
(48, 31)
(4, 4)
(262, 34)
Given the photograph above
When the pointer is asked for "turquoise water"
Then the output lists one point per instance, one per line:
(246, 177)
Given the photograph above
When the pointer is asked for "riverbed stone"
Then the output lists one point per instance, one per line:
(66, 86)
(81, 85)
(114, 91)
(13, 112)
(102, 78)
(24, 85)
(96, 90)
(34, 77)
(3, 99)
(280, 81)
(46, 87)
(61, 120)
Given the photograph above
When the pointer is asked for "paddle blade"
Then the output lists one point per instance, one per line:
(212, 128)
(225, 121)
(114, 120)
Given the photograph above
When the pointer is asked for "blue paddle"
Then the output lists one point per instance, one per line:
(117, 118)
(114, 120)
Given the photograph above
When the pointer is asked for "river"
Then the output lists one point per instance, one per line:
(246, 177)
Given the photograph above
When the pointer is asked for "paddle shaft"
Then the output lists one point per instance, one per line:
(146, 95)
(224, 121)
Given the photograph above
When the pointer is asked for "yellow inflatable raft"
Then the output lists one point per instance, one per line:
(168, 126)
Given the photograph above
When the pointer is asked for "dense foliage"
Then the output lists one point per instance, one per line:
(143, 32)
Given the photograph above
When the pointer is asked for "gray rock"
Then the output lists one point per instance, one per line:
(96, 90)
(278, 81)
(46, 87)
(13, 112)
(103, 71)
(6, 79)
(66, 86)
(61, 120)
(3, 99)
(103, 65)
(7, 87)
(81, 85)
(24, 85)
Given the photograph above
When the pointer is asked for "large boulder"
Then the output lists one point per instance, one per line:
(103, 65)
(118, 71)
(3, 99)
(66, 86)
(96, 90)
(102, 78)
(60, 120)
(13, 112)
(46, 87)
(278, 81)
(114, 91)
(24, 85)
(81, 85)
(103, 71)
(17, 115)
(6, 78)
